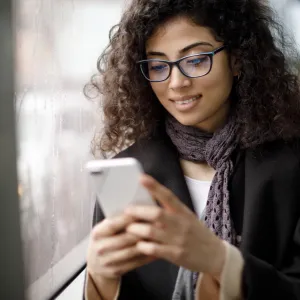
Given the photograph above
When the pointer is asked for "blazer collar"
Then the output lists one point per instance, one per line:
(160, 159)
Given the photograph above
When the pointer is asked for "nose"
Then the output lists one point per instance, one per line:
(177, 80)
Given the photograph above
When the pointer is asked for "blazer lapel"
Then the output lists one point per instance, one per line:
(258, 189)
(159, 159)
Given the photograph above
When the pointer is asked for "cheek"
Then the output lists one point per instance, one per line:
(217, 84)
(160, 90)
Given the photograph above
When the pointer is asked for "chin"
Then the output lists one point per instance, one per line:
(189, 120)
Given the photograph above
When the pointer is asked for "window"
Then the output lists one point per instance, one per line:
(58, 43)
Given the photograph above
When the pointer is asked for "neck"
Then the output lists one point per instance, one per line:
(217, 120)
(197, 170)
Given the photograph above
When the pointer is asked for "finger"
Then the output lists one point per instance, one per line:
(171, 253)
(135, 263)
(163, 195)
(120, 256)
(111, 226)
(146, 213)
(123, 240)
(148, 231)
(122, 268)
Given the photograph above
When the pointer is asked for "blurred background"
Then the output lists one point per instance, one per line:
(57, 46)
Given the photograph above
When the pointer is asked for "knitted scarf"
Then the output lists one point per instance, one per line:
(216, 150)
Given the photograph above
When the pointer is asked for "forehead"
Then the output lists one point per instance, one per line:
(176, 34)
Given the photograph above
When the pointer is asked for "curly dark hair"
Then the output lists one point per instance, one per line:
(267, 92)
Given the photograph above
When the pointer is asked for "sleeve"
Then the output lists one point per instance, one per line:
(246, 277)
(229, 285)
(261, 280)
(90, 291)
(231, 277)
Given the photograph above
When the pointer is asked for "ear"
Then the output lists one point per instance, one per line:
(235, 65)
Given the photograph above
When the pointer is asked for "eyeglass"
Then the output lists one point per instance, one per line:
(192, 66)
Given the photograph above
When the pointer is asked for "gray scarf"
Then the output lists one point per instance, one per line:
(216, 150)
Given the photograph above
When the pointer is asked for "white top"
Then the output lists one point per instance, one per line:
(199, 193)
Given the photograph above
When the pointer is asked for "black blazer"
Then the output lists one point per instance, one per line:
(265, 208)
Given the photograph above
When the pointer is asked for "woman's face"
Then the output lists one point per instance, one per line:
(209, 95)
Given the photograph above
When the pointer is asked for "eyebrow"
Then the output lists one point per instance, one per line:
(185, 49)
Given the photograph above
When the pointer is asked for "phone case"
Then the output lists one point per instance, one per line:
(117, 184)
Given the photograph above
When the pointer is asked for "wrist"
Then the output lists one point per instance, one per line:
(219, 260)
(100, 279)
(107, 288)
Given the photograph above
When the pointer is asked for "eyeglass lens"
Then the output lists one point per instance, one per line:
(193, 66)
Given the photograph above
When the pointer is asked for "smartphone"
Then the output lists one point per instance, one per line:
(116, 183)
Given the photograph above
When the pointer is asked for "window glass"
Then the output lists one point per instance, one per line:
(57, 46)
(289, 12)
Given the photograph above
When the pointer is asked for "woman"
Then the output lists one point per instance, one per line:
(203, 94)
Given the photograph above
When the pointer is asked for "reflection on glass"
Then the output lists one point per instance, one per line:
(58, 43)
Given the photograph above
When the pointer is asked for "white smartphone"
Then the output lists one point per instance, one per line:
(117, 184)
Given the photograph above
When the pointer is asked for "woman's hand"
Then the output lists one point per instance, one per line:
(112, 251)
(174, 232)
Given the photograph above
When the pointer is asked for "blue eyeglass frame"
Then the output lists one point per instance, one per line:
(171, 64)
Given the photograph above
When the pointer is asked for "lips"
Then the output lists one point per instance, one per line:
(185, 99)
(185, 104)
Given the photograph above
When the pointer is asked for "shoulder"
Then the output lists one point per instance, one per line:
(277, 159)
(159, 158)
(278, 149)
(153, 148)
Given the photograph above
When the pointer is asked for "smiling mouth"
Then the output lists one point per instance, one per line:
(187, 101)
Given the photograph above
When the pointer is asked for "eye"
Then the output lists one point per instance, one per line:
(195, 61)
(158, 67)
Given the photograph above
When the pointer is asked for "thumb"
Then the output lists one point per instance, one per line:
(163, 195)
